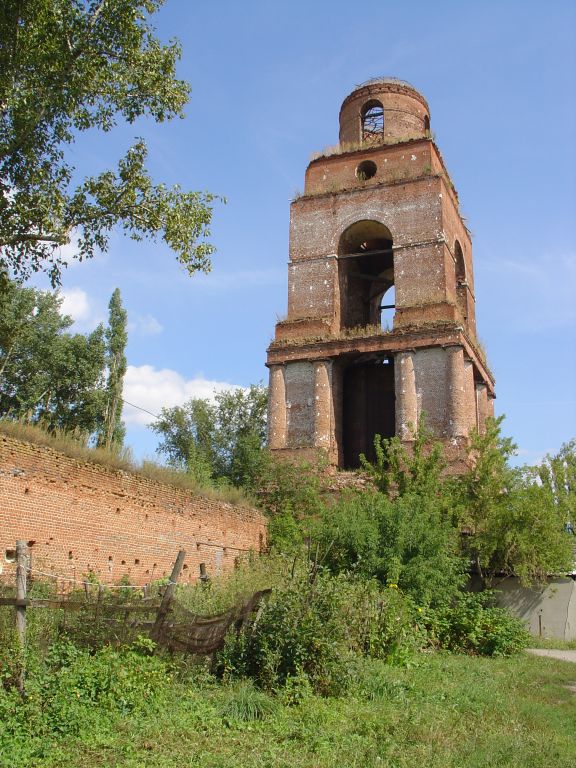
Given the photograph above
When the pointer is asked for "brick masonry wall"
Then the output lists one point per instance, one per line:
(83, 518)
(409, 193)
(404, 110)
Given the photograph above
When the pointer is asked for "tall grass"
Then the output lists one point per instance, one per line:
(253, 574)
(75, 446)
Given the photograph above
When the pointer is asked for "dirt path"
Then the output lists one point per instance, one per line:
(553, 653)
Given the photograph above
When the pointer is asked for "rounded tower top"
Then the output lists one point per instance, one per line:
(383, 109)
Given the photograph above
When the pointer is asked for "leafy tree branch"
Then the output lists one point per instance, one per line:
(69, 66)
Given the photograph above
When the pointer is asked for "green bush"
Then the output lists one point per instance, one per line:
(473, 625)
(70, 686)
(311, 628)
(409, 542)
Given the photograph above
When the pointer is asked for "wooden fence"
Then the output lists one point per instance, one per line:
(162, 617)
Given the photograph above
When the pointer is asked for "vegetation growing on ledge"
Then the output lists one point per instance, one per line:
(76, 448)
(356, 146)
(366, 331)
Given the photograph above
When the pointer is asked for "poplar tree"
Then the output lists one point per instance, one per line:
(112, 434)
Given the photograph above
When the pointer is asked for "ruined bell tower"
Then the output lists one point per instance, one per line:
(381, 310)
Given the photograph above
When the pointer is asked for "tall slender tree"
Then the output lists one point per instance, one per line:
(112, 433)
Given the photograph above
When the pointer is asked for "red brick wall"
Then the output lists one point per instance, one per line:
(84, 517)
(404, 110)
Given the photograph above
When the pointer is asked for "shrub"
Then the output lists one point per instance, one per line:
(72, 681)
(299, 629)
(409, 542)
(311, 627)
(472, 625)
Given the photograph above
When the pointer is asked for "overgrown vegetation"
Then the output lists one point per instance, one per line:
(369, 588)
(127, 708)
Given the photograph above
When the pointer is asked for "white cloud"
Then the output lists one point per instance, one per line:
(75, 302)
(153, 390)
(145, 325)
(82, 309)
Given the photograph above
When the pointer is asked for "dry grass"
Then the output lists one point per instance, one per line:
(75, 447)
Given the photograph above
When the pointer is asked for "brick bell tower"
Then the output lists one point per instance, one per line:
(381, 311)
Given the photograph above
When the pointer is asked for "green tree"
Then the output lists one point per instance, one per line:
(398, 470)
(112, 432)
(224, 436)
(188, 437)
(69, 66)
(558, 474)
(512, 524)
(241, 417)
(48, 375)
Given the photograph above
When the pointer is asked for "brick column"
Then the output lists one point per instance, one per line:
(323, 416)
(490, 412)
(481, 406)
(277, 408)
(406, 398)
(470, 390)
(457, 420)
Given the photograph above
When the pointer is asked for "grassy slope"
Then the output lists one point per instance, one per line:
(447, 712)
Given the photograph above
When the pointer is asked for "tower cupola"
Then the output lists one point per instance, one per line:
(382, 110)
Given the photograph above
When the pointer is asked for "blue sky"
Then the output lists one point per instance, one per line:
(268, 79)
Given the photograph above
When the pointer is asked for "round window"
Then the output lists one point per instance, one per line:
(366, 170)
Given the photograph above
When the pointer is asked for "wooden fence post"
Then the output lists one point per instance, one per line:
(21, 569)
(167, 596)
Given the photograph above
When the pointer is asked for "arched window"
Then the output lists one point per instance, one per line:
(366, 274)
(461, 282)
(372, 115)
(388, 308)
(426, 124)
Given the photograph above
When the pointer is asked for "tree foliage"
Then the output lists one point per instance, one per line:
(513, 524)
(69, 66)
(557, 473)
(61, 380)
(219, 439)
(112, 431)
(48, 375)
(422, 529)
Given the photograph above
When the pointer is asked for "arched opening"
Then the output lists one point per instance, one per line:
(426, 124)
(461, 281)
(368, 406)
(366, 274)
(372, 117)
(387, 309)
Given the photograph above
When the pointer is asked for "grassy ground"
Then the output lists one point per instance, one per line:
(446, 711)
